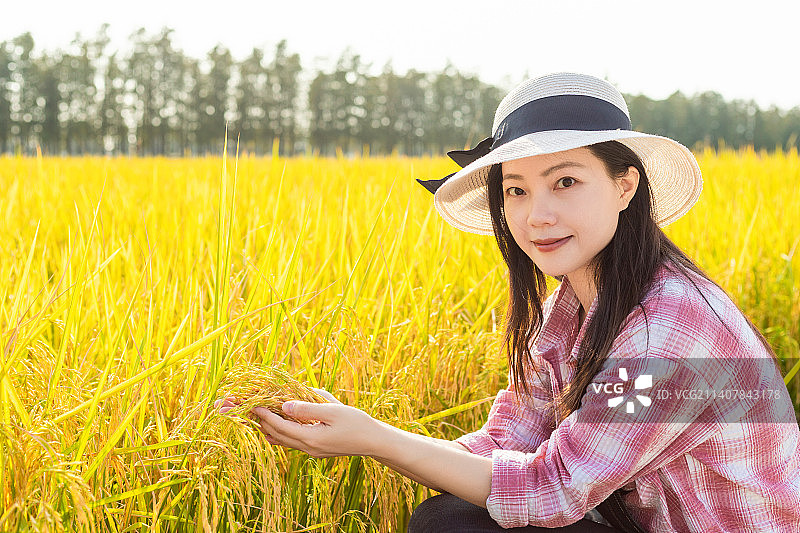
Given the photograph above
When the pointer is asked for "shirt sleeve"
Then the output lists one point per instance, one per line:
(514, 424)
(600, 448)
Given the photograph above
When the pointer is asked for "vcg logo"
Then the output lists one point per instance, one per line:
(645, 381)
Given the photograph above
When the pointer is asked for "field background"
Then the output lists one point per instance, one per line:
(130, 286)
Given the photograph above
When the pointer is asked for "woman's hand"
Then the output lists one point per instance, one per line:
(341, 430)
(338, 430)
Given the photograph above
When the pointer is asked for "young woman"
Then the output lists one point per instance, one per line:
(640, 398)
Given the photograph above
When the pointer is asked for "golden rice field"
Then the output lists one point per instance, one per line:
(131, 289)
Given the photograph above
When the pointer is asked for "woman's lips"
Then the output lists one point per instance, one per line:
(548, 245)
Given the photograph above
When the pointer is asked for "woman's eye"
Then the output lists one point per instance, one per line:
(566, 182)
(514, 191)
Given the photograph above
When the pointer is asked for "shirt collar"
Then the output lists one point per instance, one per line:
(560, 320)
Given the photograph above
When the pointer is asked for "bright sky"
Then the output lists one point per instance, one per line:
(739, 49)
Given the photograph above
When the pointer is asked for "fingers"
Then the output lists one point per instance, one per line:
(284, 432)
(274, 425)
(265, 430)
(325, 394)
(224, 408)
(284, 424)
(322, 412)
(265, 421)
(279, 431)
(224, 405)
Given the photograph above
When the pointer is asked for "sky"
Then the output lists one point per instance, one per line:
(744, 50)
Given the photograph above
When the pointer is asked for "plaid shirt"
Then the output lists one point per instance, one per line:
(707, 464)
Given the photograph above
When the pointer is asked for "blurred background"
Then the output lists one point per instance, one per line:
(167, 78)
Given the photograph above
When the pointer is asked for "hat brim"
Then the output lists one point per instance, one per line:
(672, 170)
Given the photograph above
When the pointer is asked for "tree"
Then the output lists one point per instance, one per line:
(283, 77)
(112, 129)
(78, 92)
(50, 92)
(337, 105)
(321, 111)
(158, 91)
(6, 60)
(253, 100)
(85, 99)
(460, 110)
(214, 96)
(25, 112)
(396, 106)
(190, 125)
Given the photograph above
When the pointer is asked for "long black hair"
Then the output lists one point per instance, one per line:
(623, 272)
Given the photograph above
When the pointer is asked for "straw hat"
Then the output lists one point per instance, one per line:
(559, 112)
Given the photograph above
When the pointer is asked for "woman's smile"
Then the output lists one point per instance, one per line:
(549, 245)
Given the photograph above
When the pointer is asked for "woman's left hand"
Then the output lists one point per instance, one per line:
(338, 430)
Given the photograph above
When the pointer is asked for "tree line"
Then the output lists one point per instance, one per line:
(155, 100)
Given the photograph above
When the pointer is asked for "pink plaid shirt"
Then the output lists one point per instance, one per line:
(706, 460)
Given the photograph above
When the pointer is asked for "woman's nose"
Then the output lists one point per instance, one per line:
(540, 211)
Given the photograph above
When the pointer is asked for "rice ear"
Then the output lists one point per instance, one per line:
(267, 387)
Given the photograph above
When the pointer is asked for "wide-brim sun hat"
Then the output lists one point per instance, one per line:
(551, 114)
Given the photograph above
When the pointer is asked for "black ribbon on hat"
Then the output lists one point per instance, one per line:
(463, 158)
(562, 112)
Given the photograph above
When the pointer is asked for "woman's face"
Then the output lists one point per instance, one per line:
(563, 208)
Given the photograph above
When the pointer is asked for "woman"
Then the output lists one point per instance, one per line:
(640, 397)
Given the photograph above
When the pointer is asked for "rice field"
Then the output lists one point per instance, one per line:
(135, 290)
